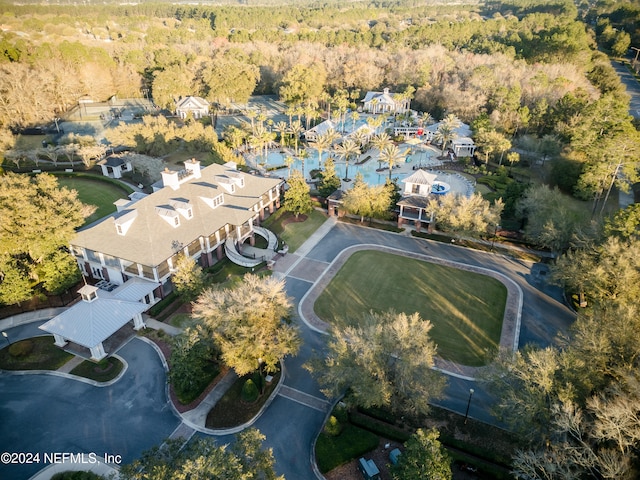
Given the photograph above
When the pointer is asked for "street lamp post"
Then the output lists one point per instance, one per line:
(6, 337)
(466, 414)
(495, 234)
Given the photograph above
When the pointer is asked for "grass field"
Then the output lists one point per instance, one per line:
(292, 232)
(465, 308)
(94, 192)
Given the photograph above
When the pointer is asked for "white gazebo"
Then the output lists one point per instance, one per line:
(100, 314)
(414, 204)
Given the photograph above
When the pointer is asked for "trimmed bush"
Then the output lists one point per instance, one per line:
(332, 427)
(21, 349)
(250, 392)
(378, 427)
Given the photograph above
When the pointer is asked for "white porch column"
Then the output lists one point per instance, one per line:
(97, 352)
(59, 341)
(138, 323)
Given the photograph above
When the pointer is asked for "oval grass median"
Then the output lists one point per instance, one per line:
(465, 308)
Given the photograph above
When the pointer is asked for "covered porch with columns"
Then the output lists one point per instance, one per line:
(414, 209)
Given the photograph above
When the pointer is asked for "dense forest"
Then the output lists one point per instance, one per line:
(520, 68)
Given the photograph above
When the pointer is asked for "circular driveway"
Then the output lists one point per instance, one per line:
(42, 413)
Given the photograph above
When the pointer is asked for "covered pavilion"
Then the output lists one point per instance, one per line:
(100, 314)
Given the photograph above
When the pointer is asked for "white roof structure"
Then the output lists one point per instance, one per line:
(90, 322)
(420, 177)
(192, 103)
(319, 129)
(384, 97)
(463, 130)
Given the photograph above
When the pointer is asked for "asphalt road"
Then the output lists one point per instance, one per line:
(632, 86)
(47, 414)
(44, 413)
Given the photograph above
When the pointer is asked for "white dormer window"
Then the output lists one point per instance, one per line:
(214, 202)
(169, 215)
(183, 207)
(124, 221)
(237, 178)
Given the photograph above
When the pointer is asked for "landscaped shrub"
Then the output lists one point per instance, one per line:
(250, 392)
(382, 429)
(21, 349)
(332, 427)
(162, 304)
(70, 475)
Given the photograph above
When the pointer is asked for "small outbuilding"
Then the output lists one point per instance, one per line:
(197, 106)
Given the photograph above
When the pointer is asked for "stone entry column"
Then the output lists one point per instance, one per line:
(138, 322)
(59, 341)
(97, 352)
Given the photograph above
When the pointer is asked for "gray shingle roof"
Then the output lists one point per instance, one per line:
(151, 239)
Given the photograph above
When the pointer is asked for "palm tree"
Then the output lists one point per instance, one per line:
(251, 114)
(425, 119)
(355, 116)
(392, 155)
(282, 128)
(322, 143)
(361, 138)
(288, 161)
(303, 155)
(346, 150)
(381, 140)
(447, 130)
(295, 129)
(260, 139)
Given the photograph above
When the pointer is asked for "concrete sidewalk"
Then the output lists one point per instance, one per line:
(198, 416)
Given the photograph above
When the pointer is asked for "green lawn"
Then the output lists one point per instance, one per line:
(94, 192)
(39, 353)
(103, 371)
(294, 233)
(465, 308)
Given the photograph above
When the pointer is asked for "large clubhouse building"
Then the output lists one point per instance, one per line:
(195, 212)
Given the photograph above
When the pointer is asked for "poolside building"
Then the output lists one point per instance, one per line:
(385, 102)
(414, 204)
(203, 213)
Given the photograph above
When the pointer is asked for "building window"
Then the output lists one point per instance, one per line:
(176, 221)
(189, 213)
(96, 272)
(217, 201)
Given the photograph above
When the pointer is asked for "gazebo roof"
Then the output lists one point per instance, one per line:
(88, 323)
(421, 177)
